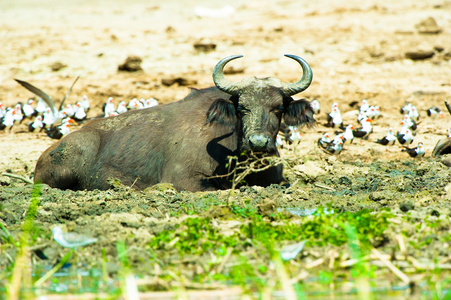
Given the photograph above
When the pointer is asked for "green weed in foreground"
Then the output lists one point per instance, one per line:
(22, 273)
(202, 236)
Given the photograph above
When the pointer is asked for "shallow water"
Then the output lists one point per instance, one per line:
(303, 211)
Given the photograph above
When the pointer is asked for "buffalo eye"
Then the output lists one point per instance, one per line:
(278, 109)
(241, 109)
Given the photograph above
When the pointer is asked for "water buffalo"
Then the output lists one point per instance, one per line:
(185, 143)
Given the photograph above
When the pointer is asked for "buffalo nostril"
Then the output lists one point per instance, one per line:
(258, 141)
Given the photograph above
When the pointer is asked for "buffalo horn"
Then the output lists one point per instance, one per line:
(219, 79)
(448, 106)
(290, 89)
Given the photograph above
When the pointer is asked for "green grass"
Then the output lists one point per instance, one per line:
(199, 236)
(202, 250)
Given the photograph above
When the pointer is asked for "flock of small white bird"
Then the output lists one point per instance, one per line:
(56, 122)
(366, 115)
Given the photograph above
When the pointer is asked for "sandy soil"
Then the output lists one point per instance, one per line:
(357, 50)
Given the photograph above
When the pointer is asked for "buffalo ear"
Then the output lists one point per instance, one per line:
(299, 112)
(223, 112)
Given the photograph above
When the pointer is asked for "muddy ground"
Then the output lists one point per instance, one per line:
(373, 50)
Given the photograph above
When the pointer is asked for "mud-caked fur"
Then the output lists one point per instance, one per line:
(185, 143)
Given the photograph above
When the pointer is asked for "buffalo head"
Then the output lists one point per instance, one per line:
(257, 106)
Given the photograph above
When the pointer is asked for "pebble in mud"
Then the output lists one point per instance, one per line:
(131, 64)
(378, 197)
(446, 160)
(428, 26)
(406, 206)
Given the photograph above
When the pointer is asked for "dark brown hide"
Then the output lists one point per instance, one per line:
(186, 143)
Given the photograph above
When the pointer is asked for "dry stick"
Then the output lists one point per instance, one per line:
(18, 177)
(249, 167)
(392, 267)
(315, 263)
(324, 187)
(134, 182)
(402, 244)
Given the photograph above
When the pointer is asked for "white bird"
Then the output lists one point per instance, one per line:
(378, 112)
(2, 110)
(409, 122)
(28, 109)
(413, 113)
(48, 118)
(71, 239)
(389, 139)
(67, 111)
(85, 103)
(364, 131)
(80, 113)
(134, 104)
(338, 138)
(151, 102)
(279, 142)
(122, 107)
(404, 128)
(418, 151)
(36, 124)
(41, 106)
(8, 119)
(336, 146)
(315, 106)
(65, 128)
(108, 108)
(18, 115)
(434, 112)
(324, 140)
(334, 118)
(364, 106)
(295, 135)
(348, 134)
(371, 112)
(405, 137)
(406, 108)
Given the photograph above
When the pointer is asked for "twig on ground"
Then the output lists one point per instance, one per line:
(402, 244)
(391, 266)
(324, 187)
(18, 177)
(252, 164)
(315, 263)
